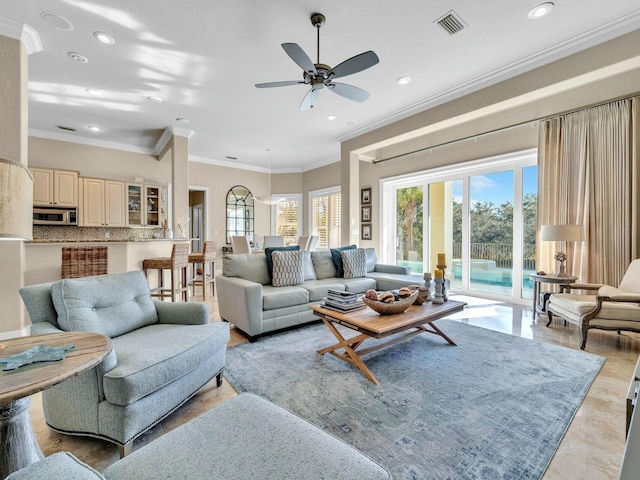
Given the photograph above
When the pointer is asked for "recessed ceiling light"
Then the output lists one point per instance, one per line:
(541, 10)
(331, 117)
(57, 21)
(93, 91)
(93, 128)
(403, 80)
(350, 123)
(78, 57)
(104, 38)
(181, 120)
(154, 99)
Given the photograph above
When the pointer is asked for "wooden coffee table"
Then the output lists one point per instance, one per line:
(415, 320)
(21, 447)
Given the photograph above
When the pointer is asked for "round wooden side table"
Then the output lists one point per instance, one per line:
(538, 303)
(16, 431)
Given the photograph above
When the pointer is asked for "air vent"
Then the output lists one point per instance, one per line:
(68, 129)
(452, 23)
(229, 157)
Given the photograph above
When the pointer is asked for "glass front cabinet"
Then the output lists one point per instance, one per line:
(143, 206)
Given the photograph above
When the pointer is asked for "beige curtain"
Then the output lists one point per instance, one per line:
(588, 174)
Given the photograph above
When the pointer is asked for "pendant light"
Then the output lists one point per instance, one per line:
(268, 199)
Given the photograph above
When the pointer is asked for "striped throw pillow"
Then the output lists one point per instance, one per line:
(288, 268)
(354, 263)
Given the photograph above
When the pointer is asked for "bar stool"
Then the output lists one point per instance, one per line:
(207, 257)
(177, 263)
(84, 261)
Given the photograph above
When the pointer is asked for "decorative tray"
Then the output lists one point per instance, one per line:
(39, 353)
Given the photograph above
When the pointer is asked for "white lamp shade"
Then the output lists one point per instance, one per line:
(16, 201)
(561, 233)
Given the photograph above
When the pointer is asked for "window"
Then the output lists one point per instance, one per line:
(481, 215)
(287, 220)
(325, 211)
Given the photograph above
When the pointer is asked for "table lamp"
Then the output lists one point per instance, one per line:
(561, 233)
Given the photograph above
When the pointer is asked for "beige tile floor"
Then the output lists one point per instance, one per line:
(591, 449)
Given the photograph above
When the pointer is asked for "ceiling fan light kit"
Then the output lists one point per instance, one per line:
(319, 75)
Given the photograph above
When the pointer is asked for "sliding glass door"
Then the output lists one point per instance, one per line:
(481, 215)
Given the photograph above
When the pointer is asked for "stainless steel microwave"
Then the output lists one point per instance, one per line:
(55, 216)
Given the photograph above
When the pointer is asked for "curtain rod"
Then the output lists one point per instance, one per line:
(504, 129)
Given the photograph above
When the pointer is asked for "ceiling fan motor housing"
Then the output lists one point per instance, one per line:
(318, 20)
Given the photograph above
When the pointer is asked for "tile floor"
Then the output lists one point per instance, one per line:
(591, 449)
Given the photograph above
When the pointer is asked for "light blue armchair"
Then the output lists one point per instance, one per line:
(163, 353)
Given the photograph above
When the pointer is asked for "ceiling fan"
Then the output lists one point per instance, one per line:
(318, 75)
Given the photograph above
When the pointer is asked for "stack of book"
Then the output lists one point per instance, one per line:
(342, 301)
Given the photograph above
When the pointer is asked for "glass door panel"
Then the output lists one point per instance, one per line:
(491, 233)
(529, 226)
(409, 228)
(454, 269)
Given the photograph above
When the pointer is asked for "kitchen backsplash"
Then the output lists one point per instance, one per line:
(54, 232)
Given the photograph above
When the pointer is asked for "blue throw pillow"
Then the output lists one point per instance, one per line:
(269, 250)
(337, 259)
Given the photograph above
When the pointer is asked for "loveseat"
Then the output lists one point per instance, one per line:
(249, 298)
(245, 437)
(163, 353)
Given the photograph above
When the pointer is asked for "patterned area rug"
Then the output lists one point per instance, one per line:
(494, 407)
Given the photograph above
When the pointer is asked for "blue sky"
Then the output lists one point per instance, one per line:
(497, 187)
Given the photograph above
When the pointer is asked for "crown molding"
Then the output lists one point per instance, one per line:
(604, 33)
(70, 138)
(23, 32)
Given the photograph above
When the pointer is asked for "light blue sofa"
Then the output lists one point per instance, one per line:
(246, 437)
(247, 298)
(163, 353)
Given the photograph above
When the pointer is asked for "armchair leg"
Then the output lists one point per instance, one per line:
(585, 332)
(125, 449)
(550, 315)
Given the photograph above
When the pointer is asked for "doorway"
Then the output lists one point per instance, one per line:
(198, 215)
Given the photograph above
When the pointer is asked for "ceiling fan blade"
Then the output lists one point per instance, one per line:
(302, 59)
(310, 98)
(349, 91)
(286, 83)
(355, 64)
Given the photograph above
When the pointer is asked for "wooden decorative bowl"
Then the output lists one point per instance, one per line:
(391, 308)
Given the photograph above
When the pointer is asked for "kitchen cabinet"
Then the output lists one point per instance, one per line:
(143, 205)
(55, 188)
(103, 203)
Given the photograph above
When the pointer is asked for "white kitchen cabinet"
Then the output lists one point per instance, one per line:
(54, 188)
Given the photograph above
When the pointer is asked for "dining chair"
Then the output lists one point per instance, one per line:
(240, 244)
(313, 243)
(303, 241)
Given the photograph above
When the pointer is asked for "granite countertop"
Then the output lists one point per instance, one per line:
(106, 240)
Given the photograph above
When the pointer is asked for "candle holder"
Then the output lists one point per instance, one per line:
(444, 283)
(437, 298)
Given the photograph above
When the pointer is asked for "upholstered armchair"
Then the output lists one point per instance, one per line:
(610, 308)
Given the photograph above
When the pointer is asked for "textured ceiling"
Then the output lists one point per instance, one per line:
(203, 58)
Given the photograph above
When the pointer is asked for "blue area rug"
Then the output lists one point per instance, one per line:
(494, 407)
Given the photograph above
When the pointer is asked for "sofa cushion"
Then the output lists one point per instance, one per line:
(37, 299)
(337, 259)
(281, 297)
(58, 466)
(269, 252)
(359, 285)
(318, 288)
(372, 259)
(170, 351)
(354, 263)
(323, 264)
(107, 304)
(287, 268)
(249, 266)
(309, 272)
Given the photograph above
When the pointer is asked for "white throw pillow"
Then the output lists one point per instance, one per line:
(354, 263)
(288, 268)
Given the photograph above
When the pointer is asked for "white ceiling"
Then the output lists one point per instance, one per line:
(203, 57)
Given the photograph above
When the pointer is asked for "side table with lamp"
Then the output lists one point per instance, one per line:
(554, 233)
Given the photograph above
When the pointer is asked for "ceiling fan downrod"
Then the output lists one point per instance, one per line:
(318, 20)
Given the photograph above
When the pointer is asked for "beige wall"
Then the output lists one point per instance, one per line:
(13, 100)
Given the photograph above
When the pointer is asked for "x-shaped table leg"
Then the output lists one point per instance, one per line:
(350, 346)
